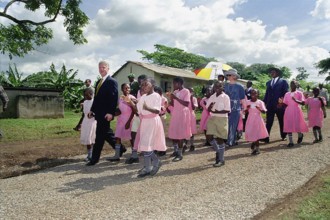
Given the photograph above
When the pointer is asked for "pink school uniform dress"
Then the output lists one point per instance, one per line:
(205, 114)
(315, 115)
(122, 119)
(150, 134)
(88, 126)
(193, 123)
(180, 127)
(255, 128)
(294, 120)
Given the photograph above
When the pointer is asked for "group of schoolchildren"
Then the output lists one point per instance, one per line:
(142, 119)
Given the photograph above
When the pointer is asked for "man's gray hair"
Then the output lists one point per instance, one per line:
(105, 63)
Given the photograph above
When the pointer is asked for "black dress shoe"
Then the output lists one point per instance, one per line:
(132, 160)
(300, 139)
(91, 163)
(177, 158)
(207, 144)
(284, 139)
(192, 148)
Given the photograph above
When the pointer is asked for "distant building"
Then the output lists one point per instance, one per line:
(162, 74)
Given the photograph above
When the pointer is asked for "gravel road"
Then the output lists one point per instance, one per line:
(189, 189)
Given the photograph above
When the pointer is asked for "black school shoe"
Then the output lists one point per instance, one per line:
(192, 148)
(290, 145)
(177, 158)
(174, 154)
(161, 153)
(300, 139)
(144, 173)
(132, 160)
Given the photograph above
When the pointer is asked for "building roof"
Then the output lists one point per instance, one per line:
(164, 70)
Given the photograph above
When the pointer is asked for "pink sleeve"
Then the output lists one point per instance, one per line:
(202, 103)
(195, 102)
(185, 95)
(302, 97)
(324, 101)
(263, 107)
(157, 102)
(285, 100)
(307, 101)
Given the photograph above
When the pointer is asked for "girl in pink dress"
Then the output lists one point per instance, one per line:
(315, 115)
(88, 126)
(124, 121)
(255, 128)
(150, 134)
(192, 106)
(205, 114)
(294, 121)
(180, 127)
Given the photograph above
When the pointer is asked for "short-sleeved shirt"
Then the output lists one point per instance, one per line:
(236, 93)
(221, 102)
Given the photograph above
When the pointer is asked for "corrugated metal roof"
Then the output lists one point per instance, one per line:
(165, 70)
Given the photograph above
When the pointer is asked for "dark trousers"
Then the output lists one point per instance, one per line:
(103, 133)
(270, 120)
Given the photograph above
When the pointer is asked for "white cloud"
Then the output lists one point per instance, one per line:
(322, 9)
(122, 27)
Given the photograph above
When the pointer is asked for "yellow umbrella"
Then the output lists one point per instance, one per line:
(212, 70)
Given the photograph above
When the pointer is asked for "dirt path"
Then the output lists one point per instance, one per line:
(192, 188)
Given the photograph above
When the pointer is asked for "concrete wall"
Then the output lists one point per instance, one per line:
(33, 103)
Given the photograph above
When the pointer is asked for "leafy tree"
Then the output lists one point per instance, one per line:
(12, 78)
(23, 36)
(302, 74)
(175, 57)
(324, 66)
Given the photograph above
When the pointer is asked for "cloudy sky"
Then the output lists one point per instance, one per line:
(292, 33)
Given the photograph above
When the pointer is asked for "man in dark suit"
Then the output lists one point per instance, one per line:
(103, 109)
(276, 88)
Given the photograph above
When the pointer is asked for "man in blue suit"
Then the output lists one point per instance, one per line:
(276, 88)
(103, 109)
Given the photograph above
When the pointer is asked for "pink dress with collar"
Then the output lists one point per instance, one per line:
(315, 115)
(294, 120)
(150, 134)
(180, 127)
(126, 111)
(255, 128)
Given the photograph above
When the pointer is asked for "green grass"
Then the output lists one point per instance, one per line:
(36, 129)
(318, 205)
(19, 129)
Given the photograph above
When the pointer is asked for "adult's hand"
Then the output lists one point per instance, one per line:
(108, 117)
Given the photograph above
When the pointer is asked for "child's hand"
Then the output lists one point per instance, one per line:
(210, 107)
(127, 125)
(166, 104)
(168, 94)
(257, 107)
(173, 96)
(294, 99)
(280, 100)
(125, 98)
(248, 107)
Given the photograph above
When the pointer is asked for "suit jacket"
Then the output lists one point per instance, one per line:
(273, 93)
(105, 101)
